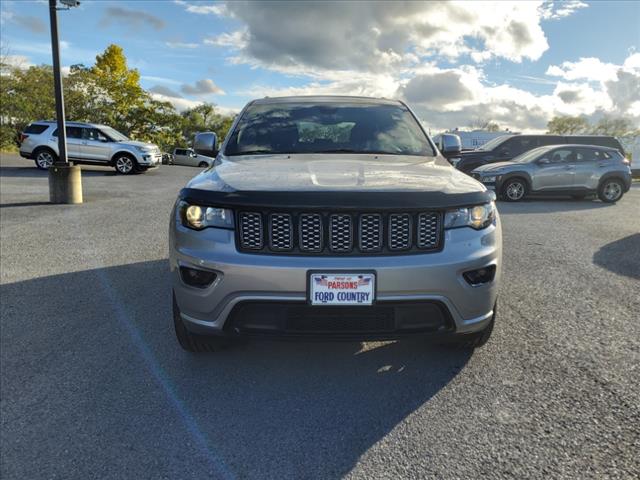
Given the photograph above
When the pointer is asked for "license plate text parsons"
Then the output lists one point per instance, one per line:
(342, 288)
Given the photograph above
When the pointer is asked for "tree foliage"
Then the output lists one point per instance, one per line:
(109, 92)
(480, 123)
(621, 127)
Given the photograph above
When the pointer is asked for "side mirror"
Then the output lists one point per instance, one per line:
(505, 152)
(451, 144)
(206, 143)
(544, 161)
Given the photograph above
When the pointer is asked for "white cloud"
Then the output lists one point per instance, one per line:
(153, 78)
(206, 86)
(182, 104)
(181, 45)
(589, 68)
(551, 10)
(331, 36)
(17, 61)
(236, 40)
(450, 97)
(179, 103)
(203, 9)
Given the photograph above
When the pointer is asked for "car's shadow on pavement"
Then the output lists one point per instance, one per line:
(549, 204)
(621, 257)
(33, 172)
(111, 375)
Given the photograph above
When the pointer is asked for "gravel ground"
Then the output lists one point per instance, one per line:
(93, 384)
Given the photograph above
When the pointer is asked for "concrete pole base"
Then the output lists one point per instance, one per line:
(65, 184)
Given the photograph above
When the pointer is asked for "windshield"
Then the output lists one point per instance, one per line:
(493, 143)
(338, 127)
(114, 134)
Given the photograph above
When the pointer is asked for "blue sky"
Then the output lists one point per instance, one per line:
(515, 63)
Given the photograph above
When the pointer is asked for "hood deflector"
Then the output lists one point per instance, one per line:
(336, 200)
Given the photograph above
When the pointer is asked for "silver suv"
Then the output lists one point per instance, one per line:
(88, 143)
(576, 170)
(332, 217)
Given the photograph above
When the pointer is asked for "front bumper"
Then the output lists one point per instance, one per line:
(435, 278)
(149, 160)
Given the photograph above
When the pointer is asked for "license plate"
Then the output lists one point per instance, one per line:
(342, 288)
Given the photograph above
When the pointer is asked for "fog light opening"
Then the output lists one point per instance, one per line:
(480, 276)
(197, 278)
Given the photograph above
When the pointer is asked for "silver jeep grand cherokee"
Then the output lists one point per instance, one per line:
(90, 144)
(332, 217)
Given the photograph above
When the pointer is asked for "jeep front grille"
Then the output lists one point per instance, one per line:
(331, 233)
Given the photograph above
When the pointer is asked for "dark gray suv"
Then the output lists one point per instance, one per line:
(576, 170)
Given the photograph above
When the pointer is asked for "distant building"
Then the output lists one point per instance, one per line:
(476, 138)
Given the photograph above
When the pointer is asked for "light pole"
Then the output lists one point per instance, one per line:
(65, 181)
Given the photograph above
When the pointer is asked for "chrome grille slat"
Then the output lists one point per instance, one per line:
(340, 233)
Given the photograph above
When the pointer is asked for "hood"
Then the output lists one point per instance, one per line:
(335, 172)
(135, 143)
(490, 167)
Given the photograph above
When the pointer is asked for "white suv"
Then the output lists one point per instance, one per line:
(90, 144)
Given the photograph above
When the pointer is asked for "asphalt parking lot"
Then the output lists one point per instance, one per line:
(94, 385)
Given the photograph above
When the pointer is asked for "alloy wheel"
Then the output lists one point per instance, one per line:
(515, 191)
(124, 164)
(612, 191)
(44, 159)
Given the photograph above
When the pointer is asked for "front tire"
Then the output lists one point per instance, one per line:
(611, 190)
(124, 164)
(514, 189)
(192, 342)
(44, 158)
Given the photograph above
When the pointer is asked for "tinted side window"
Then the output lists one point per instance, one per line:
(561, 155)
(544, 140)
(523, 144)
(36, 128)
(610, 142)
(72, 132)
(587, 154)
(517, 145)
(93, 134)
(179, 151)
(507, 147)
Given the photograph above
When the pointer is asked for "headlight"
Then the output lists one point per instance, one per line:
(197, 217)
(478, 217)
(144, 149)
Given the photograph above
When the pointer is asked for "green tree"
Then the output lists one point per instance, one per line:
(108, 92)
(25, 95)
(568, 125)
(204, 118)
(616, 126)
